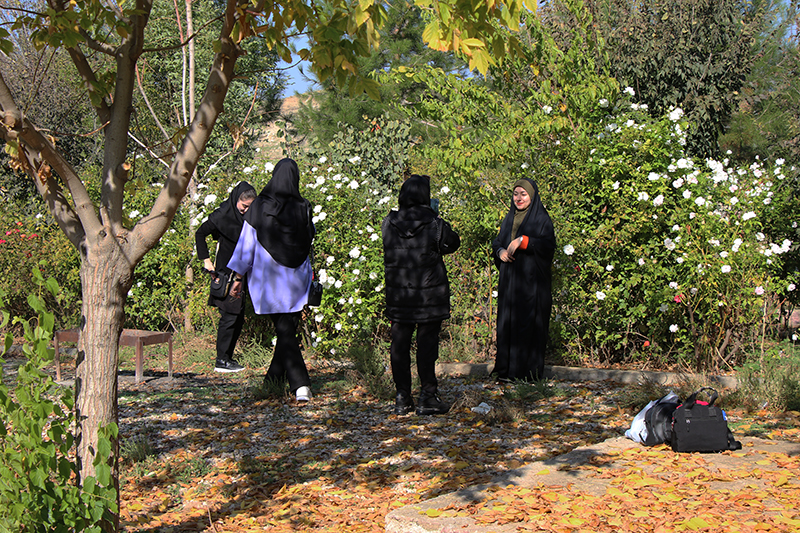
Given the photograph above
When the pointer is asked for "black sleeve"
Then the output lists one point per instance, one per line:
(450, 239)
(206, 228)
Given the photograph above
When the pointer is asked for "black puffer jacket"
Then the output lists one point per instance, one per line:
(417, 288)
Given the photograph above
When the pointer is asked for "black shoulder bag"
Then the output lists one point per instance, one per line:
(220, 283)
(701, 426)
(315, 290)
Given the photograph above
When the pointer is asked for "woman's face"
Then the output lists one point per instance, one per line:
(521, 199)
(243, 205)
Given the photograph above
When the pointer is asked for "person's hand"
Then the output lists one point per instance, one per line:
(513, 245)
(236, 288)
(208, 265)
(505, 257)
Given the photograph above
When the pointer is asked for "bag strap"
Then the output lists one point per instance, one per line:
(691, 400)
(439, 223)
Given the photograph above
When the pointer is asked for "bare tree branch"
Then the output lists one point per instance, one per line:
(147, 148)
(152, 227)
(186, 42)
(104, 48)
(85, 71)
(150, 107)
(35, 147)
(115, 167)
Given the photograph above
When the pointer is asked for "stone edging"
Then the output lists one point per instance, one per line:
(593, 374)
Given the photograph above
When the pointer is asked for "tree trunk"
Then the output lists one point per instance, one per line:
(192, 190)
(106, 276)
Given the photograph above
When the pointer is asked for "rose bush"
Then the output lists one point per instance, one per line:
(28, 242)
(662, 255)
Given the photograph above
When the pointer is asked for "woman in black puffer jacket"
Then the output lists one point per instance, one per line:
(417, 291)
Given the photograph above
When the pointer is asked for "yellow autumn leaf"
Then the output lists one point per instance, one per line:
(433, 513)
(789, 521)
(696, 523)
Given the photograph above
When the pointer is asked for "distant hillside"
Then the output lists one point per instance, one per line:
(268, 142)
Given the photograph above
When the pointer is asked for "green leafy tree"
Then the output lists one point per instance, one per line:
(766, 121)
(693, 55)
(332, 109)
(660, 254)
(167, 88)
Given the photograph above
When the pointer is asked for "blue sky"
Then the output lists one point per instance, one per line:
(295, 81)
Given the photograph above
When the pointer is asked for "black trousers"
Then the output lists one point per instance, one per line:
(427, 354)
(228, 331)
(287, 360)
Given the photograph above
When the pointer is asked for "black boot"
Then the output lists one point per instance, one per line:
(403, 404)
(431, 404)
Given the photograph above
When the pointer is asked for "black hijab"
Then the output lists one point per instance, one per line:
(282, 218)
(227, 218)
(414, 199)
(535, 225)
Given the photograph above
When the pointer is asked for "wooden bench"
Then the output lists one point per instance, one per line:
(130, 337)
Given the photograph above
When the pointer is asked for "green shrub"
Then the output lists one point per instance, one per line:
(659, 249)
(771, 379)
(38, 491)
(36, 241)
(136, 449)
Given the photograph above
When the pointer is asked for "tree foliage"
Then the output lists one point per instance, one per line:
(766, 121)
(401, 44)
(662, 254)
(693, 55)
(163, 105)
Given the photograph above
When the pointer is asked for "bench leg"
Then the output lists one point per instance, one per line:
(139, 360)
(170, 356)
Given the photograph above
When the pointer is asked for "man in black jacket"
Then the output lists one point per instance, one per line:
(417, 291)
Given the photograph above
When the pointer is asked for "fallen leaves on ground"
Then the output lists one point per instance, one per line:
(226, 461)
(653, 490)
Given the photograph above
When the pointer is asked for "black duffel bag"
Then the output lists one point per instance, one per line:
(699, 426)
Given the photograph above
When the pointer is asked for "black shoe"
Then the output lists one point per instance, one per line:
(227, 366)
(431, 404)
(403, 404)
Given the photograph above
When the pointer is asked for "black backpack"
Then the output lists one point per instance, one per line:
(658, 420)
(701, 426)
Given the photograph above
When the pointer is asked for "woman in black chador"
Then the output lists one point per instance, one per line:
(225, 225)
(523, 252)
(417, 291)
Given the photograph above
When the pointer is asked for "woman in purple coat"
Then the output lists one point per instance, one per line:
(273, 252)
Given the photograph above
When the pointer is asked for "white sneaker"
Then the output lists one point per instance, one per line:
(303, 394)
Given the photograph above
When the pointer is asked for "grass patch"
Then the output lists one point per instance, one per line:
(256, 352)
(191, 469)
(770, 380)
(531, 391)
(136, 449)
(635, 397)
(371, 370)
(269, 389)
